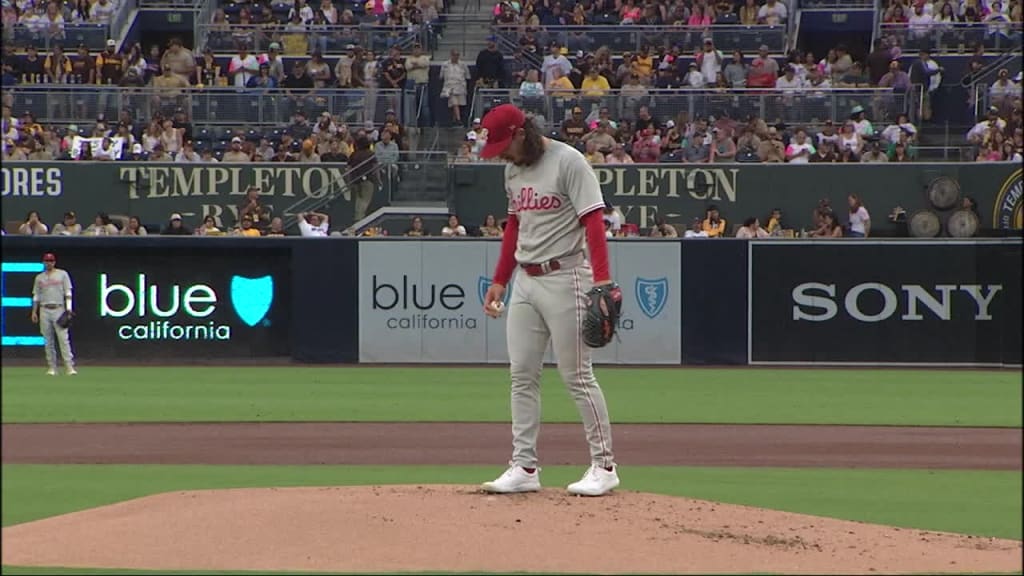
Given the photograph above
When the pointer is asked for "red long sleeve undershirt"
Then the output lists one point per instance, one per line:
(592, 221)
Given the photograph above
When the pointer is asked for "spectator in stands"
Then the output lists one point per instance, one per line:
(416, 228)
(828, 226)
(850, 140)
(314, 224)
(168, 90)
(298, 90)
(895, 78)
(308, 153)
(646, 148)
(723, 148)
(490, 67)
(263, 81)
(825, 153)
(387, 154)
(903, 125)
(878, 61)
(69, 227)
(899, 153)
(981, 132)
(175, 227)
(574, 128)
(134, 227)
(751, 229)
(748, 13)
(276, 227)
(800, 149)
(662, 229)
(763, 71)
(454, 78)
(710, 62)
(453, 228)
(208, 228)
(180, 59)
(417, 66)
(735, 73)
(490, 228)
(243, 66)
(861, 124)
(101, 226)
(860, 220)
(772, 149)
(1003, 92)
(618, 155)
(927, 72)
(696, 229)
(235, 152)
(318, 70)
(33, 226)
(159, 154)
(874, 153)
(363, 176)
(713, 224)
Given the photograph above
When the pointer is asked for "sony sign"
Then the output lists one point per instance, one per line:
(817, 302)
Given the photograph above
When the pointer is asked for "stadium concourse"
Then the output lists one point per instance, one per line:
(680, 82)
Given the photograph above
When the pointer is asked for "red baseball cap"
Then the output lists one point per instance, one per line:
(49, 256)
(501, 124)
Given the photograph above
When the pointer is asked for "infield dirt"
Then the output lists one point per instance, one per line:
(457, 528)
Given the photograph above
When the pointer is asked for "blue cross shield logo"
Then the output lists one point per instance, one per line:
(483, 283)
(651, 295)
(252, 297)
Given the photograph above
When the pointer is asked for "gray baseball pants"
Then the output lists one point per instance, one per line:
(55, 336)
(543, 308)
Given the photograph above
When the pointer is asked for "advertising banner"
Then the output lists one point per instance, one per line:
(422, 302)
(891, 302)
(136, 301)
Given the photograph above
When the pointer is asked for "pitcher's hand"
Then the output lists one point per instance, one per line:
(496, 293)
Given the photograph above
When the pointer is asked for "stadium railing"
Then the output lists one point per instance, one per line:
(631, 38)
(835, 104)
(835, 4)
(67, 104)
(94, 36)
(955, 38)
(329, 39)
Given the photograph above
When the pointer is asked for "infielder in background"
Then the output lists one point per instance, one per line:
(554, 212)
(51, 309)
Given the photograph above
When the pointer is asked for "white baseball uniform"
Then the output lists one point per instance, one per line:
(51, 291)
(548, 199)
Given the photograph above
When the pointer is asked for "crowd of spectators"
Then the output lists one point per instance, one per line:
(48, 21)
(619, 111)
(532, 15)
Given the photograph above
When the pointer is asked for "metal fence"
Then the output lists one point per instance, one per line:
(631, 38)
(92, 35)
(881, 105)
(66, 104)
(325, 39)
(835, 4)
(945, 38)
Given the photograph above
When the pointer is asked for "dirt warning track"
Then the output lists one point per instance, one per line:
(490, 443)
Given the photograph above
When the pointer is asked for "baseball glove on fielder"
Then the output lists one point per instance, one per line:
(64, 321)
(604, 305)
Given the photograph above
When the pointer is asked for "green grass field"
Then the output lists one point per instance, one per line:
(291, 394)
(981, 503)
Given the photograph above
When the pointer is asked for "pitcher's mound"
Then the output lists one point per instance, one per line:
(457, 528)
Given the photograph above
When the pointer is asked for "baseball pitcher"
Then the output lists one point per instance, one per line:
(554, 213)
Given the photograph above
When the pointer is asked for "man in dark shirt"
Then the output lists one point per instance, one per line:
(394, 74)
(363, 177)
(490, 67)
(300, 128)
(252, 208)
(575, 127)
(878, 61)
(298, 85)
(83, 66)
(32, 67)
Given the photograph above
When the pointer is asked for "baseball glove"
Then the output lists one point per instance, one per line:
(604, 306)
(64, 321)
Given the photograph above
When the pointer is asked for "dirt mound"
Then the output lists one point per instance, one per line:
(456, 528)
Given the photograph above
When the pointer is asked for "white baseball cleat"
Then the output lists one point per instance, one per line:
(515, 479)
(72, 371)
(51, 372)
(596, 481)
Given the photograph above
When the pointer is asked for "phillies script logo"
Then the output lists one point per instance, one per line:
(529, 201)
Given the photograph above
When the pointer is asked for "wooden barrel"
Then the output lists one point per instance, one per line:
(962, 223)
(924, 224)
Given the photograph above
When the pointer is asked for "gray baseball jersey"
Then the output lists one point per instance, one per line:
(52, 288)
(549, 197)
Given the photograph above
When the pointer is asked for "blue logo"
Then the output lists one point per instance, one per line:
(651, 295)
(252, 297)
(483, 283)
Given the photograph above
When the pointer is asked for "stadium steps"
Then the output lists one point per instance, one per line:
(466, 31)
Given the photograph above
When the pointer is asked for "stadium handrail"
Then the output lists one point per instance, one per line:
(726, 37)
(954, 38)
(804, 107)
(93, 35)
(57, 103)
(339, 37)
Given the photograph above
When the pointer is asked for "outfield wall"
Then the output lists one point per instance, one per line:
(392, 300)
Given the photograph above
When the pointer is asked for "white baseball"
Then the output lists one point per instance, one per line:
(497, 306)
